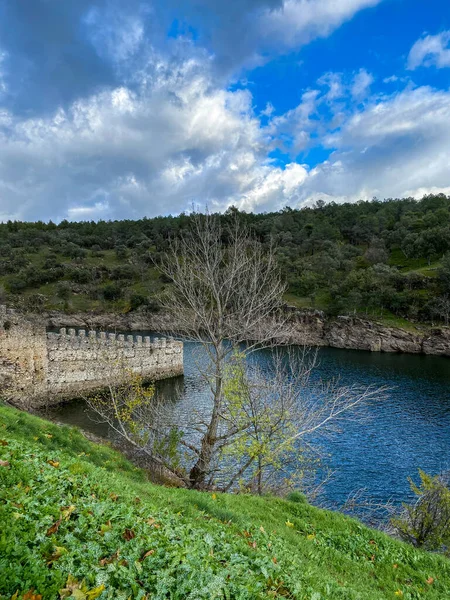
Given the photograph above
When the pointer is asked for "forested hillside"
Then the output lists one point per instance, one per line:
(386, 259)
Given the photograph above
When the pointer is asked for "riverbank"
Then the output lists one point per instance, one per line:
(303, 327)
(78, 520)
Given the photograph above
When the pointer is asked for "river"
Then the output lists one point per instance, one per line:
(408, 430)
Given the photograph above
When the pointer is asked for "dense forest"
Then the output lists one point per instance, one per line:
(385, 259)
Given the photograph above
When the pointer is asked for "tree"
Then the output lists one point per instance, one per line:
(376, 253)
(226, 294)
(34, 303)
(121, 252)
(441, 307)
(226, 291)
(63, 291)
(444, 273)
(269, 422)
(112, 291)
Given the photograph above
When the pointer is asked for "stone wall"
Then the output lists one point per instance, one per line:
(23, 356)
(39, 368)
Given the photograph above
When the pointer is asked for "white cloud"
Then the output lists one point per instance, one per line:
(98, 210)
(154, 151)
(334, 83)
(273, 187)
(361, 84)
(430, 50)
(294, 128)
(180, 138)
(249, 32)
(297, 22)
(114, 32)
(3, 57)
(268, 111)
(395, 147)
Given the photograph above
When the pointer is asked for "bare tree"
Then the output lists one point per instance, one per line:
(226, 294)
(441, 308)
(226, 291)
(140, 419)
(372, 512)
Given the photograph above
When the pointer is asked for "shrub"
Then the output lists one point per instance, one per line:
(80, 275)
(63, 290)
(112, 292)
(125, 272)
(426, 522)
(34, 302)
(137, 300)
(96, 251)
(17, 284)
(296, 497)
(121, 252)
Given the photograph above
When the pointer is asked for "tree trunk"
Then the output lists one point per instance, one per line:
(202, 467)
(259, 476)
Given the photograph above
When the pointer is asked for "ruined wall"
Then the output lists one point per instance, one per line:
(23, 355)
(38, 368)
(78, 362)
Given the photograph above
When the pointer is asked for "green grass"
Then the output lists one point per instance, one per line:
(298, 301)
(385, 317)
(321, 300)
(413, 265)
(78, 516)
(431, 270)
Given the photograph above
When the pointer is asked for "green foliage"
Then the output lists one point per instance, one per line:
(262, 427)
(328, 248)
(426, 523)
(75, 525)
(444, 273)
(296, 497)
(112, 291)
(134, 412)
(125, 404)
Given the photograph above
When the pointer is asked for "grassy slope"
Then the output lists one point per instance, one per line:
(199, 545)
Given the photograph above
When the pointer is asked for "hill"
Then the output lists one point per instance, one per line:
(385, 259)
(77, 520)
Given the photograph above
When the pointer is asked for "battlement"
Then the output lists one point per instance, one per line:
(94, 340)
(48, 366)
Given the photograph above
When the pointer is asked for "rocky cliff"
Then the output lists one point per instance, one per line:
(315, 329)
(310, 328)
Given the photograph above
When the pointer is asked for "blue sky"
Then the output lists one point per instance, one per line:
(114, 109)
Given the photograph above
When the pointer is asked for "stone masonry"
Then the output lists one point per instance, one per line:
(39, 368)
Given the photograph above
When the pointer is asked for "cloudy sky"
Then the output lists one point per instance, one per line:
(123, 108)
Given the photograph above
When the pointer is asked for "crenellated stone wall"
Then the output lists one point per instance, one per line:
(38, 368)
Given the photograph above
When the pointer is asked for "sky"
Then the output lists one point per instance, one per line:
(113, 109)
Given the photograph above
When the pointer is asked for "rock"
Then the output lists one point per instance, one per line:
(312, 329)
(437, 342)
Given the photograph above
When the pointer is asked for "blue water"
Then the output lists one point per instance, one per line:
(408, 430)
